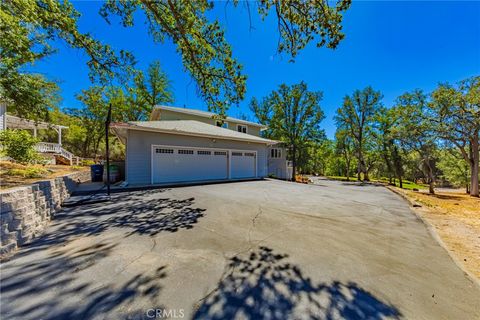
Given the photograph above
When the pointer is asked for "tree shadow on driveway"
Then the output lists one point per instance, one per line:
(51, 288)
(50, 279)
(264, 286)
(138, 212)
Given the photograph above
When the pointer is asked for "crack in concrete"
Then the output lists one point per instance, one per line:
(254, 220)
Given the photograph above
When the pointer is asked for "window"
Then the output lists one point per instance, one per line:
(204, 152)
(222, 124)
(185, 151)
(163, 150)
(242, 128)
(220, 153)
(249, 154)
(236, 154)
(275, 153)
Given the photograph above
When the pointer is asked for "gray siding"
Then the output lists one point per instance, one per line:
(232, 125)
(139, 148)
(277, 167)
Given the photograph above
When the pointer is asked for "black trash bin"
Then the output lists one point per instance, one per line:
(96, 172)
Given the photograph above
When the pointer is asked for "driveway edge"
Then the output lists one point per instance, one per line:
(431, 229)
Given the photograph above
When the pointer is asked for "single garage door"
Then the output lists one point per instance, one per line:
(243, 164)
(176, 164)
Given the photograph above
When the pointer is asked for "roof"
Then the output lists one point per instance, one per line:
(205, 114)
(191, 128)
(14, 122)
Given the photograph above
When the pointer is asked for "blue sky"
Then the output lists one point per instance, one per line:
(393, 46)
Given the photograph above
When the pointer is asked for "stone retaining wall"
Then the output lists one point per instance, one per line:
(26, 211)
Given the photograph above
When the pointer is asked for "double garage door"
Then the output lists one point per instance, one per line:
(178, 164)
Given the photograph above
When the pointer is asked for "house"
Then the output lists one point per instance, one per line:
(54, 151)
(186, 145)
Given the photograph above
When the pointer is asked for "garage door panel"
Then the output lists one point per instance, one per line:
(243, 164)
(188, 165)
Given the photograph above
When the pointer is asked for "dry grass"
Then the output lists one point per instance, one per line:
(15, 174)
(456, 218)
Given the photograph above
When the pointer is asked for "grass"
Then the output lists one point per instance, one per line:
(342, 178)
(27, 172)
(409, 185)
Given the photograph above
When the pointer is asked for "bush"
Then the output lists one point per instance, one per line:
(28, 172)
(19, 145)
(87, 162)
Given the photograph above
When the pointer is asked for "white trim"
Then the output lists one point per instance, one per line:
(229, 157)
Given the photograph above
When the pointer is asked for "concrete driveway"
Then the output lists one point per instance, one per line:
(263, 249)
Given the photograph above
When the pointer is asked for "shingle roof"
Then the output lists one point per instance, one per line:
(192, 127)
(206, 114)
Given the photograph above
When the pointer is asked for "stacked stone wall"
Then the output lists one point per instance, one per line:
(27, 210)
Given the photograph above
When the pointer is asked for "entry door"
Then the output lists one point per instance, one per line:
(176, 164)
(243, 164)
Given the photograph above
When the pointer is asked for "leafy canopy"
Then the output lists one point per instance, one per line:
(201, 42)
(19, 145)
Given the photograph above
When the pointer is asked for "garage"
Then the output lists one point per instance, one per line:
(181, 164)
(182, 151)
(177, 164)
(243, 164)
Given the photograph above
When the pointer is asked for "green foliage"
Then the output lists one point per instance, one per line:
(201, 42)
(31, 94)
(293, 115)
(356, 118)
(300, 22)
(87, 162)
(29, 27)
(456, 118)
(19, 145)
(28, 30)
(27, 172)
(454, 168)
(414, 131)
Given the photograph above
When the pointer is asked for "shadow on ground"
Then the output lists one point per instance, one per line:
(265, 286)
(48, 279)
(50, 288)
(139, 212)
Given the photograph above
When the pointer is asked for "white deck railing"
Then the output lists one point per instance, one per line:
(47, 147)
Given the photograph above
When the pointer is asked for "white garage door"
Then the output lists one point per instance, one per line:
(176, 164)
(243, 164)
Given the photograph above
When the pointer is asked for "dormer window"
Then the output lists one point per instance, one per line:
(275, 153)
(221, 124)
(242, 128)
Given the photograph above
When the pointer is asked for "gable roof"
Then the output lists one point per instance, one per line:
(201, 113)
(190, 128)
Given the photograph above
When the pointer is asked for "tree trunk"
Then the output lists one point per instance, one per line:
(430, 177)
(348, 170)
(474, 163)
(431, 190)
(365, 175)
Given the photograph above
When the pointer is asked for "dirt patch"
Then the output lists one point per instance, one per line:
(456, 219)
(15, 174)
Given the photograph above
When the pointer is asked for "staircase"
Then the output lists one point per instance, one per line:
(57, 150)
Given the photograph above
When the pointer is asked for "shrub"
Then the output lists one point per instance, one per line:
(27, 173)
(87, 162)
(19, 145)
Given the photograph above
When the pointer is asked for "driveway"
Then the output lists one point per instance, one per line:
(262, 249)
